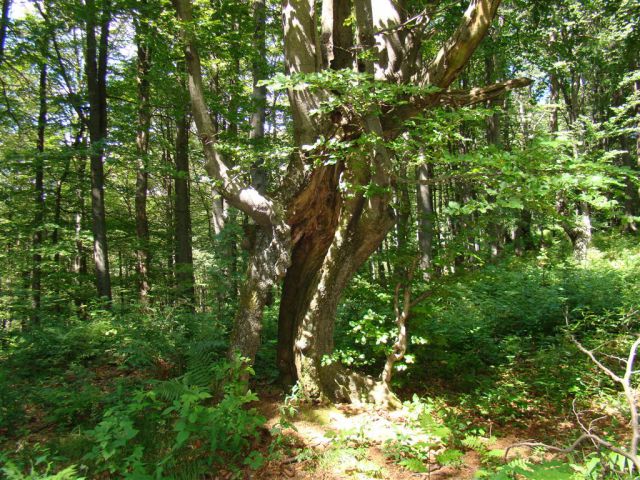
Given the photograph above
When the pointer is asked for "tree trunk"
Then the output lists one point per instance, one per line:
(142, 147)
(258, 70)
(315, 237)
(38, 221)
(426, 217)
(183, 250)
(403, 218)
(80, 258)
(632, 161)
(4, 23)
(96, 71)
(554, 98)
(330, 234)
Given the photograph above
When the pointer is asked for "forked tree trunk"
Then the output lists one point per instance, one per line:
(330, 234)
(323, 262)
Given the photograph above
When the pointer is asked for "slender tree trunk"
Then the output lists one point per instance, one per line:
(426, 217)
(494, 137)
(80, 259)
(258, 70)
(4, 23)
(36, 275)
(259, 174)
(632, 161)
(554, 98)
(403, 218)
(183, 250)
(218, 212)
(636, 87)
(169, 235)
(57, 211)
(142, 148)
(493, 122)
(96, 71)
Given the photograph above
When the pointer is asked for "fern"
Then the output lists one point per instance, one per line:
(450, 457)
(474, 442)
(171, 390)
(13, 473)
(414, 465)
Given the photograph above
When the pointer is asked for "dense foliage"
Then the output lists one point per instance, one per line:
(500, 300)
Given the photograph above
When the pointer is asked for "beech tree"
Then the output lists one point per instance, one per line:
(96, 59)
(327, 217)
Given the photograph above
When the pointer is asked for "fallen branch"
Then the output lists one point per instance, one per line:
(574, 446)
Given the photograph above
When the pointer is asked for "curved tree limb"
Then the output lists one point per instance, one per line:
(393, 120)
(461, 98)
(242, 196)
(455, 53)
(271, 252)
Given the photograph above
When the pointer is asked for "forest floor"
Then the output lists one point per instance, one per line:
(335, 442)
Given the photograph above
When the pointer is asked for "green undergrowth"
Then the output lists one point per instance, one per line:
(125, 395)
(144, 394)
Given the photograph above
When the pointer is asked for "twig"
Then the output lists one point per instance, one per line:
(573, 446)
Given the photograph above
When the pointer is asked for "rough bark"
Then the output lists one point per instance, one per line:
(96, 72)
(142, 160)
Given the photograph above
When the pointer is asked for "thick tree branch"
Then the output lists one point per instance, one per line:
(461, 98)
(455, 53)
(394, 118)
(242, 196)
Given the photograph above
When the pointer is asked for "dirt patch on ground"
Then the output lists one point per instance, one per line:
(339, 442)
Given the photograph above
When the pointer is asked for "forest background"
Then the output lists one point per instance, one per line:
(431, 206)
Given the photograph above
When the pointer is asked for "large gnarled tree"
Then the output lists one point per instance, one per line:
(315, 233)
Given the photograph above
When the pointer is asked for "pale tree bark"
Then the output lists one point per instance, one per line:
(143, 44)
(271, 253)
(96, 72)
